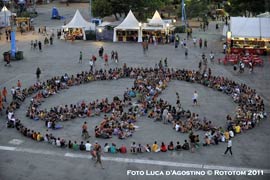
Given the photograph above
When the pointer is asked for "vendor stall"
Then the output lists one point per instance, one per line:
(156, 29)
(76, 28)
(249, 35)
(23, 24)
(128, 30)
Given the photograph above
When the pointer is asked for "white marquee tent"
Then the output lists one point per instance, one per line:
(250, 27)
(5, 17)
(156, 20)
(155, 24)
(129, 23)
(79, 22)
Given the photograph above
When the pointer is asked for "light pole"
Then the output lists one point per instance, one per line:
(167, 33)
(140, 32)
(13, 33)
(90, 9)
(184, 17)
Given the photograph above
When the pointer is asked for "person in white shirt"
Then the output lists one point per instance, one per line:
(229, 147)
(231, 133)
(106, 148)
(88, 146)
(194, 41)
(10, 114)
(165, 116)
(195, 98)
(58, 142)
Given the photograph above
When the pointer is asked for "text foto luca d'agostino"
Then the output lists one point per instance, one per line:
(195, 173)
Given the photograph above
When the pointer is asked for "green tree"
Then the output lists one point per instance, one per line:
(246, 8)
(101, 8)
(196, 8)
(121, 7)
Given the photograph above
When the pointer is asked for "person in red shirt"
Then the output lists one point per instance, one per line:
(123, 149)
(19, 84)
(163, 147)
(4, 93)
(1, 104)
(106, 58)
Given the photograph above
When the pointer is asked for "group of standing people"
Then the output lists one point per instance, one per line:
(102, 56)
(36, 44)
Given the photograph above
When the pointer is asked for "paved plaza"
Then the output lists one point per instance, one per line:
(25, 159)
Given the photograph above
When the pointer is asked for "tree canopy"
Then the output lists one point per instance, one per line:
(247, 8)
(118, 8)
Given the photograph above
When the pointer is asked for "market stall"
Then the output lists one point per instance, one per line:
(23, 24)
(249, 35)
(128, 30)
(155, 29)
(76, 28)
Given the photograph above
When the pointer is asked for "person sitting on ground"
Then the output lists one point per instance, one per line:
(237, 129)
(206, 141)
(75, 146)
(139, 148)
(163, 147)
(113, 148)
(63, 143)
(123, 149)
(106, 148)
(88, 146)
(185, 145)
(171, 146)
(178, 146)
(133, 147)
(155, 147)
(147, 148)
(58, 144)
(82, 146)
(39, 137)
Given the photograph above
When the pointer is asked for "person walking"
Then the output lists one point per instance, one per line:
(112, 55)
(94, 58)
(40, 46)
(116, 57)
(4, 93)
(51, 40)
(165, 116)
(200, 43)
(195, 98)
(186, 52)
(100, 52)
(194, 41)
(38, 72)
(85, 133)
(19, 84)
(80, 58)
(106, 58)
(205, 43)
(98, 156)
(91, 65)
(229, 146)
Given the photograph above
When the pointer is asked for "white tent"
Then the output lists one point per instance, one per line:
(5, 17)
(79, 22)
(250, 27)
(156, 20)
(129, 23)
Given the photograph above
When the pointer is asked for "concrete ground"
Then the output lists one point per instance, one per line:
(22, 158)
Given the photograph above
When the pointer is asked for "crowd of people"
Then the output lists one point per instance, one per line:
(148, 84)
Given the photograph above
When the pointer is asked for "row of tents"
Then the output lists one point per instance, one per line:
(129, 25)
